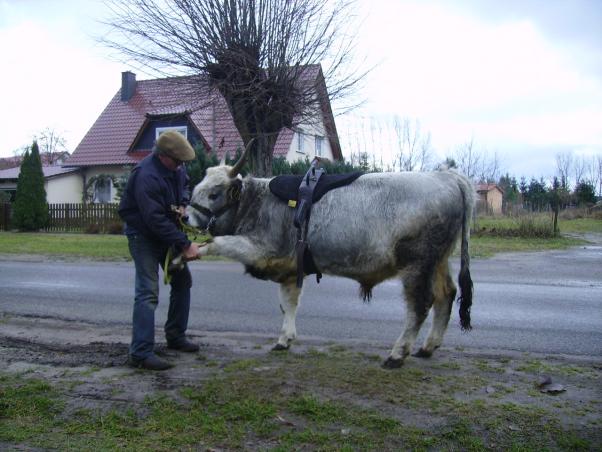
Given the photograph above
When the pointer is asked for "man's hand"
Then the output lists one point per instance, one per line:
(191, 253)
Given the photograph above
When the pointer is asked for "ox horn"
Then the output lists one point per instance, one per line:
(241, 161)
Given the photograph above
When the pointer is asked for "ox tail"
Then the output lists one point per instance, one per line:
(464, 279)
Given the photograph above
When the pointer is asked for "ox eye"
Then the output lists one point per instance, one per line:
(213, 196)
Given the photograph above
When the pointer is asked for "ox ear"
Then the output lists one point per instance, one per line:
(241, 161)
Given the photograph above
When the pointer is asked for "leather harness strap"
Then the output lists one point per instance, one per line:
(302, 215)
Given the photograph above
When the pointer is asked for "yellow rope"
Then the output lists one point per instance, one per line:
(188, 230)
(166, 275)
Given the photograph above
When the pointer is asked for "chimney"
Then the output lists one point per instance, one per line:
(128, 85)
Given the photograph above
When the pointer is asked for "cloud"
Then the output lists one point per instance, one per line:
(497, 75)
(58, 77)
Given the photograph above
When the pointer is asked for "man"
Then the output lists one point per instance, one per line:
(153, 200)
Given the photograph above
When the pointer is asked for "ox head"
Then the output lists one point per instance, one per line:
(215, 198)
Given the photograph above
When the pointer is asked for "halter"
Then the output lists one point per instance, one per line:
(233, 198)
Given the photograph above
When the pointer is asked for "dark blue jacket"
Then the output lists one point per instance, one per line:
(146, 203)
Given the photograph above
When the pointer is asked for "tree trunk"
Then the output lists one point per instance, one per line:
(261, 155)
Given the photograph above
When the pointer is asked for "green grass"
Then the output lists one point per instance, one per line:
(102, 247)
(114, 247)
(334, 400)
(92, 246)
(581, 225)
(488, 246)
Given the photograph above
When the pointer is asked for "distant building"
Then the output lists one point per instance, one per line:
(490, 198)
(56, 158)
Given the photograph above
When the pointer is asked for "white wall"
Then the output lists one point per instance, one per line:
(66, 188)
(310, 131)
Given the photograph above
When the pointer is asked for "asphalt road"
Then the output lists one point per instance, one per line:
(548, 302)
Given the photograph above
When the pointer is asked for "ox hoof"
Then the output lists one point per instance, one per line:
(280, 348)
(393, 363)
(423, 353)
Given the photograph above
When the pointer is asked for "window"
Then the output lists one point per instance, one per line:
(319, 141)
(182, 129)
(300, 140)
(102, 190)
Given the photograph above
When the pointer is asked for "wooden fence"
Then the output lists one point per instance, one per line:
(101, 218)
(83, 218)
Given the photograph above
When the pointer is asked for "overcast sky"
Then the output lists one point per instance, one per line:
(521, 78)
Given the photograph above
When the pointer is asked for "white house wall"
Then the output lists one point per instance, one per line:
(66, 188)
(310, 131)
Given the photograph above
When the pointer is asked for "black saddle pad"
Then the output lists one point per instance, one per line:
(287, 187)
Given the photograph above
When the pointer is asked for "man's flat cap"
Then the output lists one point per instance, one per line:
(175, 145)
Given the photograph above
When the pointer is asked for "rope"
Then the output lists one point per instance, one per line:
(188, 230)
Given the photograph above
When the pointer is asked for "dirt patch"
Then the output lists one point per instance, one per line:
(237, 394)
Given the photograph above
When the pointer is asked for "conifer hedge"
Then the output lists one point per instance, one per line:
(30, 210)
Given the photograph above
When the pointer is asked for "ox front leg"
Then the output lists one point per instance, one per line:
(419, 299)
(289, 302)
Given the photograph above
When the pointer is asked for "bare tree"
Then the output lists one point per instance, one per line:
(258, 54)
(52, 145)
(467, 159)
(598, 166)
(580, 168)
(414, 150)
(477, 164)
(425, 153)
(564, 164)
(593, 172)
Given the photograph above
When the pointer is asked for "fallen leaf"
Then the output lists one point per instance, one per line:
(283, 421)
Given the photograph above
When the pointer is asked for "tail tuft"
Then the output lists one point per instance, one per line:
(465, 298)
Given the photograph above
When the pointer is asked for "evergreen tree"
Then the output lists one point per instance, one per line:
(585, 193)
(31, 208)
(197, 168)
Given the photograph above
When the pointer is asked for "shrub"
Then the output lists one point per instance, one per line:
(93, 228)
(116, 227)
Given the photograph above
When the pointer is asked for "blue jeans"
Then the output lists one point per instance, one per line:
(148, 255)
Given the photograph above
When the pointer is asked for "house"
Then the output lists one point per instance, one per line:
(62, 185)
(490, 198)
(47, 159)
(140, 111)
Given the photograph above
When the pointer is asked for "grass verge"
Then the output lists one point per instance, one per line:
(114, 247)
(333, 399)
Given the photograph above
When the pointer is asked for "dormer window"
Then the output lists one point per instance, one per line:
(182, 129)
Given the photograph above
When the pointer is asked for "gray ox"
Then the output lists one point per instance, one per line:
(381, 226)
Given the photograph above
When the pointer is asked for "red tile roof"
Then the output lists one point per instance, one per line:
(111, 139)
(487, 187)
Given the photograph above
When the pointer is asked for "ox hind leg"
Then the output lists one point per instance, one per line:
(444, 291)
(419, 296)
(289, 302)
